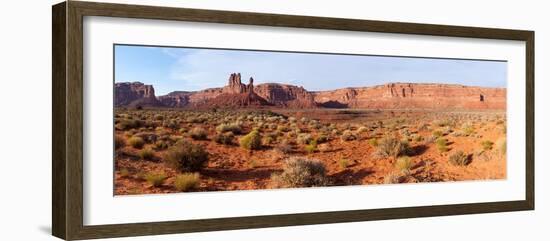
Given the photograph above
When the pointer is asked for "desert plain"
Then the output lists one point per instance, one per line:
(247, 137)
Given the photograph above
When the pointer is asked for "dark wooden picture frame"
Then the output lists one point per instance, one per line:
(67, 123)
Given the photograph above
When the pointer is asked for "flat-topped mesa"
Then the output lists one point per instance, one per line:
(285, 95)
(416, 96)
(235, 86)
(135, 94)
(396, 95)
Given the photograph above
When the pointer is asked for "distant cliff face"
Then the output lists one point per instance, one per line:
(176, 99)
(286, 95)
(389, 96)
(417, 96)
(135, 94)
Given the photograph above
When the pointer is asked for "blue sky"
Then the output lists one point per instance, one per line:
(169, 69)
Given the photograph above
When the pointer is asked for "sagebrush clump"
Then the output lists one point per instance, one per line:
(304, 138)
(198, 133)
(459, 158)
(136, 142)
(224, 138)
(348, 135)
(119, 142)
(146, 154)
(186, 157)
(156, 179)
(404, 164)
(186, 181)
(373, 142)
(299, 172)
(392, 147)
(235, 128)
(284, 147)
(487, 145)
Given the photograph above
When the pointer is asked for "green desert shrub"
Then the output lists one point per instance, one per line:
(344, 163)
(252, 141)
(487, 145)
(437, 133)
(441, 144)
(198, 133)
(136, 142)
(373, 142)
(501, 146)
(156, 179)
(119, 142)
(348, 135)
(404, 164)
(186, 181)
(224, 138)
(124, 172)
(311, 147)
(146, 154)
(459, 158)
(186, 157)
(392, 147)
(299, 172)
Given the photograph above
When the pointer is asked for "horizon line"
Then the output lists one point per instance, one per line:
(369, 86)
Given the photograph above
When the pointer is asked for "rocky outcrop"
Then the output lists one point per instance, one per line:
(235, 86)
(235, 94)
(135, 94)
(389, 96)
(286, 95)
(415, 96)
(176, 99)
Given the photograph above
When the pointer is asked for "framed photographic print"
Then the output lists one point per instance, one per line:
(171, 120)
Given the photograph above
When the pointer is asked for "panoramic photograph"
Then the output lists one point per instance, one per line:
(199, 119)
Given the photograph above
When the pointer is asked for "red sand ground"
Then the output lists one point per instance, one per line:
(234, 168)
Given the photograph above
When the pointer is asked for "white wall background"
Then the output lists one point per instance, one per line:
(25, 120)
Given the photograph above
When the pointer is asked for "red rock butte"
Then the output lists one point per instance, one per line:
(387, 96)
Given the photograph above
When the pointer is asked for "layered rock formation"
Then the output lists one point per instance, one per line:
(286, 95)
(389, 96)
(234, 85)
(135, 94)
(415, 96)
(235, 94)
(176, 99)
